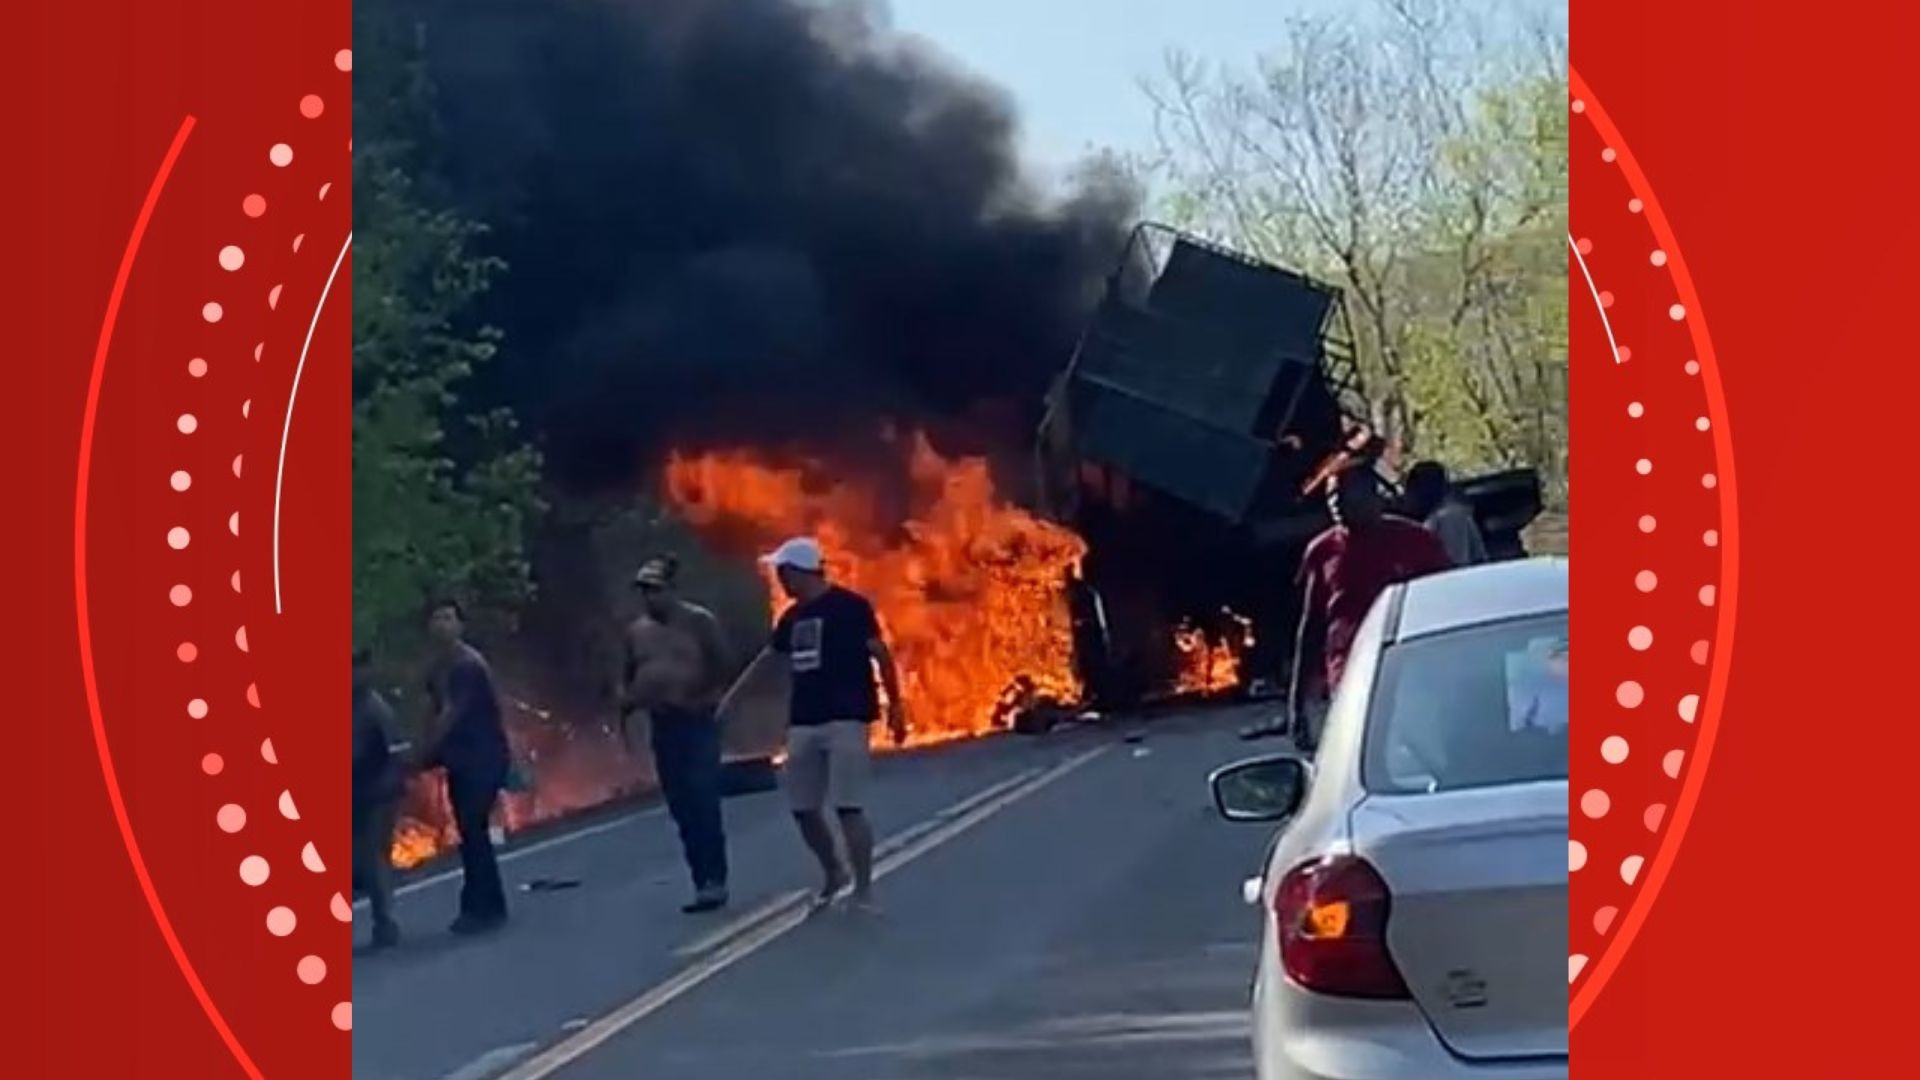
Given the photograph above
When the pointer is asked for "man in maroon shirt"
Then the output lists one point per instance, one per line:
(1344, 570)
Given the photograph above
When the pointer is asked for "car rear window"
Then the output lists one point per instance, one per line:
(1476, 707)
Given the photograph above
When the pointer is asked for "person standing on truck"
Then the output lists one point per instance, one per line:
(1434, 501)
(1344, 570)
(469, 740)
(376, 795)
(676, 667)
(830, 642)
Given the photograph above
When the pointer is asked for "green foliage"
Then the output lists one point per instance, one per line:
(1418, 160)
(443, 500)
(1486, 331)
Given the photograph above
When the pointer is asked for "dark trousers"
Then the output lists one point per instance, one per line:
(473, 793)
(373, 857)
(686, 754)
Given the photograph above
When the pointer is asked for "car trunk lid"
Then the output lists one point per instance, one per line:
(1478, 926)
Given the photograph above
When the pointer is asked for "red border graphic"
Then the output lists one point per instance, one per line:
(1677, 544)
(83, 473)
(178, 790)
(189, 769)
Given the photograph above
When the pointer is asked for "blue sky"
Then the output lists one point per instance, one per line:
(1074, 66)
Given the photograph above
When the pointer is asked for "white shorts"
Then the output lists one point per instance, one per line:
(828, 763)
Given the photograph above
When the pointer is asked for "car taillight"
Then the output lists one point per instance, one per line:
(1331, 921)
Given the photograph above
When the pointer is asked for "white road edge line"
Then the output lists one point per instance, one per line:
(511, 854)
(887, 845)
(596, 1034)
(491, 1062)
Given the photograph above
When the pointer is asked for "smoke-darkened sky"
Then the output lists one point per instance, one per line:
(757, 220)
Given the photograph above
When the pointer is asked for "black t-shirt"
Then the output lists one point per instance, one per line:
(826, 640)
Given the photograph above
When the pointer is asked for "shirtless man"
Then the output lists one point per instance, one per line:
(676, 669)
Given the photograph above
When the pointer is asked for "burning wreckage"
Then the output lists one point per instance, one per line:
(1176, 462)
(1174, 471)
(1184, 441)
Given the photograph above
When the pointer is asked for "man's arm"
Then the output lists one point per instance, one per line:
(1476, 541)
(763, 663)
(1429, 553)
(439, 721)
(438, 725)
(623, 704)
(1306, 649)
(890, 679)
(716, 656)
(1460, 538)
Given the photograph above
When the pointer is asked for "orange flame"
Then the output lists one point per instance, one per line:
(414, 842)
(1209, 666)
(971, 591)
(572, 767)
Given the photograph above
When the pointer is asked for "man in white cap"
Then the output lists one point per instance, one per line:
(831, 644)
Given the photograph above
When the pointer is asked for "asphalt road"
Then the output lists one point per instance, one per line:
(1063, 906)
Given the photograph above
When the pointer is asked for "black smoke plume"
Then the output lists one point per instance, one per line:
(769, 221)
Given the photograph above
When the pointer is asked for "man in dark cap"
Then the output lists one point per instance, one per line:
(677, 666)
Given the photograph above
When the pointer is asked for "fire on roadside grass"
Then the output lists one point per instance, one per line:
(572, 767)
(970, 590)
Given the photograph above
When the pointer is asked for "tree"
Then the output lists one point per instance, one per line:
(444, 500)
(1418, 160)
(1491, 317)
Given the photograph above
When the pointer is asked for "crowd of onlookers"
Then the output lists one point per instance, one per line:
(678, 674)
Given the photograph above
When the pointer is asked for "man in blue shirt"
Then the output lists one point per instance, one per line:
(469, 740)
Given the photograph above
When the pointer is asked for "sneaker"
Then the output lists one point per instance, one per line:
(863, 904)
(710, 898)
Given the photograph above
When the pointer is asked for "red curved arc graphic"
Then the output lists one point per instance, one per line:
(1729, 581)
(82, 483)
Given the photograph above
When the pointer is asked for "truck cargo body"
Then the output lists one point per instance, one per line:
(1184, 439)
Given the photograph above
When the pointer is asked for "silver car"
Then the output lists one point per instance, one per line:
(1415, 900)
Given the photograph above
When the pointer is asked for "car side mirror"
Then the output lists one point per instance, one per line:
(1260, 789)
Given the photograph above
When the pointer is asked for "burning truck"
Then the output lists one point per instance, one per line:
(1152, 559)
(1207, 394)
(814, 290)
(1183, 442)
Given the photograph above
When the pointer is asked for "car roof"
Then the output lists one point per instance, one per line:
(1482, 594)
